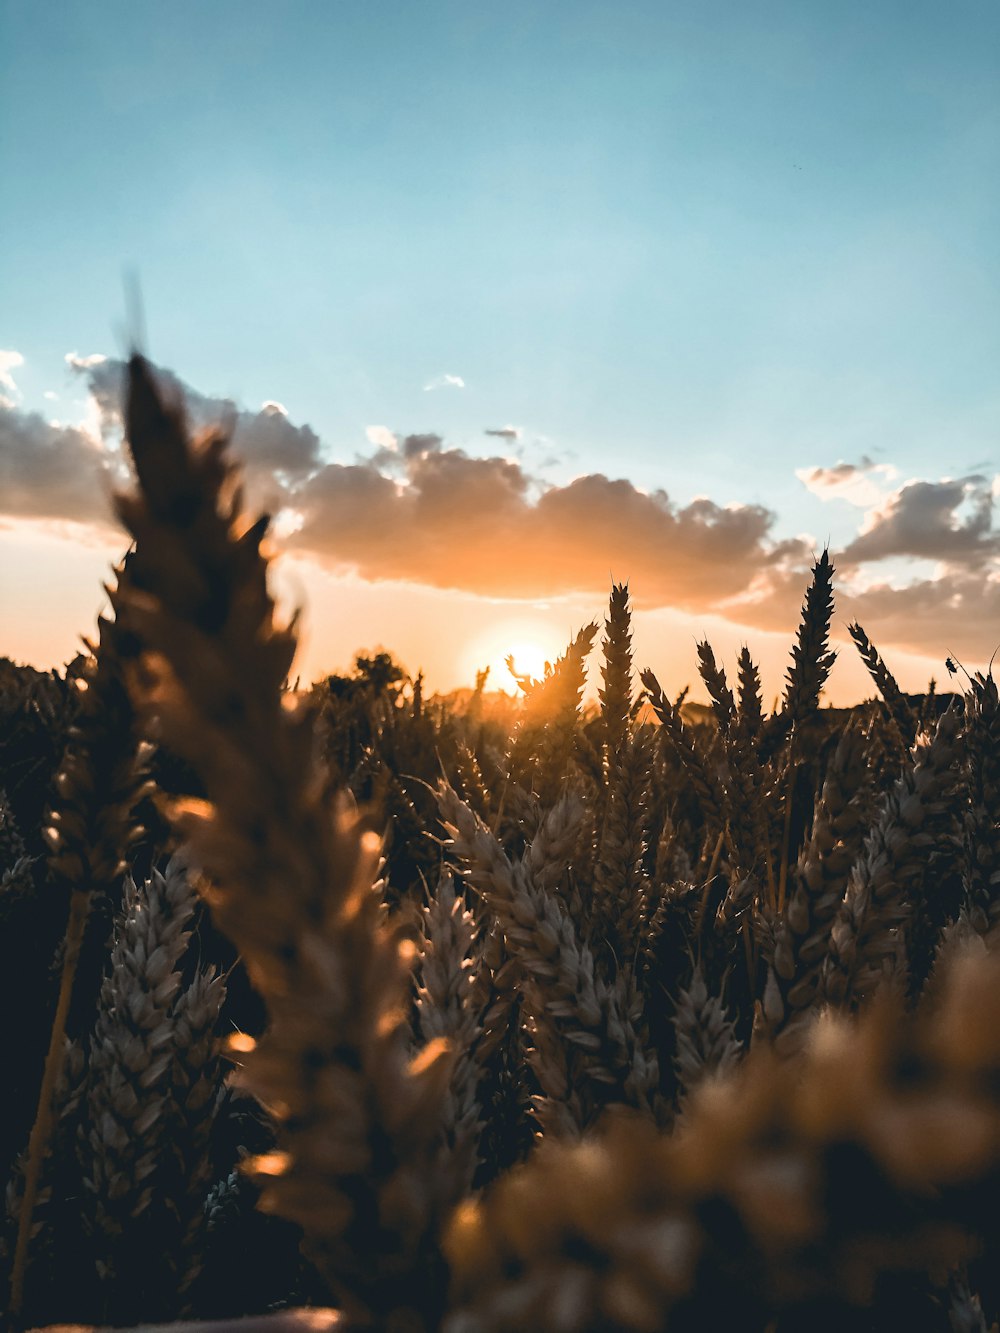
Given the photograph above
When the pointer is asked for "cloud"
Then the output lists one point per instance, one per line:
(276, 453)
(948, 520)
(386, 453)
(958, 614)
(76, 362)
(505, 432)
(419, 446)
(9, 360)
(445, 382)
(382, 437)
(955, 608)
(481, 525)
(858, 483)
(412, 508)
(52, 471)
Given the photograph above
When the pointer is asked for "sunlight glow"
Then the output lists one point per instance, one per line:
(529, 658)
(531, 644)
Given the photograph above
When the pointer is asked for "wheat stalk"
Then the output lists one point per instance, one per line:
(897, 705)
(869, 936)
(750, 1215)
(586, 1032)
(447, 1008)
(981, 828)
(290, 877)
(89, 825)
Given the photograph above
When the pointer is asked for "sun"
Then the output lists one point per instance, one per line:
(529, 657)
(530, 645)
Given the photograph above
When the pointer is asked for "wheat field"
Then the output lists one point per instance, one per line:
(452, 1016)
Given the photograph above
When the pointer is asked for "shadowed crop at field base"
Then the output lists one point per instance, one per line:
(632, 1017)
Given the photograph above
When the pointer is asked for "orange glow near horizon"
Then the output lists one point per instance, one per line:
(531, 643)
(51, 592)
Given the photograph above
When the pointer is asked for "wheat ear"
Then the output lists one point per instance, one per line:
(749, 1215)
(290, 876)
(446, 1007)
(869, 936)
(811, 656)
(899, 708)
(90, 825)
(981, 831)
(588, 1045)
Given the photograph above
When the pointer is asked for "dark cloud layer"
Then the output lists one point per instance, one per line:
(923, 519)
(59, 472)
(270, 446)
(49, 471)
(435, 515)
(415, 510)
(956, 614)
(950, 523)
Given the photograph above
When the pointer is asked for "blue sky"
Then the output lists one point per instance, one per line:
(700, 247)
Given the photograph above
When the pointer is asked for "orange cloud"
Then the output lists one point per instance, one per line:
(451, 521)
(414, 511)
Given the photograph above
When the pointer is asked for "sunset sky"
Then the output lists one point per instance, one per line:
(508, 301)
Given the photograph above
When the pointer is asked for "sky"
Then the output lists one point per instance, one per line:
(505, 303)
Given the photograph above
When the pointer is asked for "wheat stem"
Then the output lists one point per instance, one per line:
(38, 1142)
